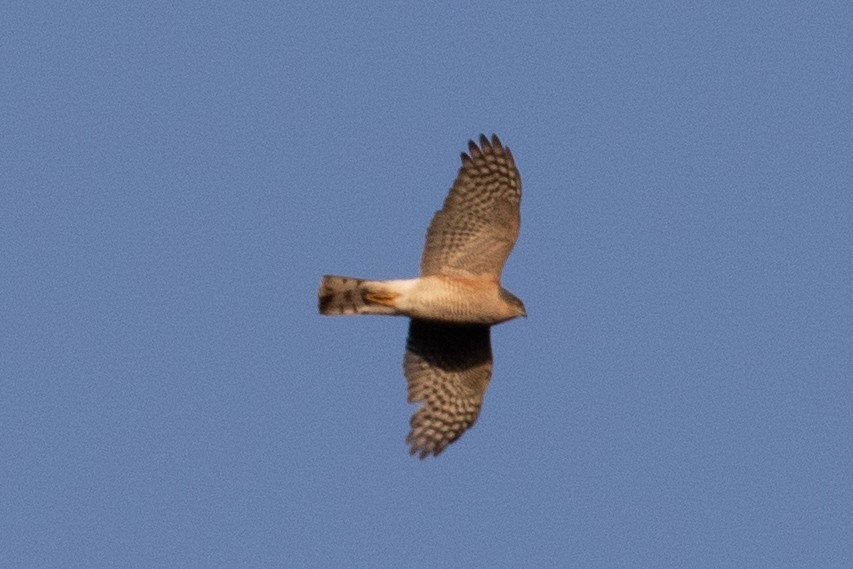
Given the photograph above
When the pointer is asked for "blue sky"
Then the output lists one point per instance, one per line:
(176, 178)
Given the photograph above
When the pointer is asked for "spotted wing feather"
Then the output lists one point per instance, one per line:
(473, 233)
(448, 367)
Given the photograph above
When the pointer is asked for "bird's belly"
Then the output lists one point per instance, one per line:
(453, 300)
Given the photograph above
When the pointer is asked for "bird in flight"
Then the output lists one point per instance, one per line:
(455, 301)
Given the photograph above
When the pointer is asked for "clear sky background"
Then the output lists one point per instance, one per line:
(176, 178)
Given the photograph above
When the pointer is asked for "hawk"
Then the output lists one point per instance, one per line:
(456, 299)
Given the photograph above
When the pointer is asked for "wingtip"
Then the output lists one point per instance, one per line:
(487, 144)
(474, 150)
(421, 451)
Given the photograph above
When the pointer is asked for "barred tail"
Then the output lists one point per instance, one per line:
(347, 295)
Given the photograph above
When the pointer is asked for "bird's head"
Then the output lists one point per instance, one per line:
(516, 307)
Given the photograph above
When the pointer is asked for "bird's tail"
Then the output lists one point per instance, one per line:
(348, 295)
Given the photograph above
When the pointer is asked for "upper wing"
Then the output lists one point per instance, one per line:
(473, 233)
(448, 367)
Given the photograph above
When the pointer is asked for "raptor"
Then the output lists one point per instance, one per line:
(456, 299)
